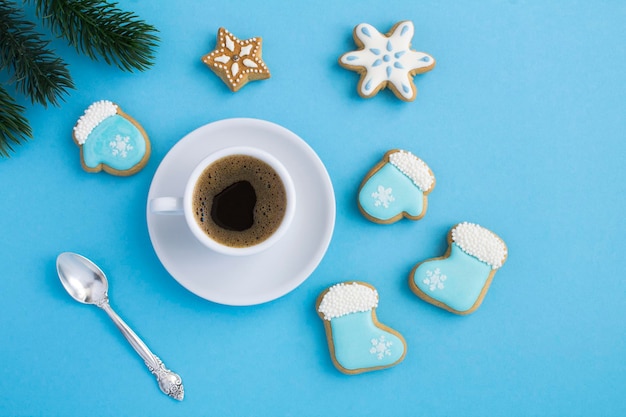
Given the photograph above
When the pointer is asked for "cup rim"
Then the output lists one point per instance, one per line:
(262, 155)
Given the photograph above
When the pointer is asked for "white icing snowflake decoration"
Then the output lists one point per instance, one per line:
(387, 60)
(120, 146)
(382, 197)
(434, 279)
(237, 61)
(380, 347)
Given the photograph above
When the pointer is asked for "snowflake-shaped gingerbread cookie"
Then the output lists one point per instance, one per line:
(235, 61)
(386, 60)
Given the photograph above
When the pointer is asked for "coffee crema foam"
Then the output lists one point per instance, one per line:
(268, 210)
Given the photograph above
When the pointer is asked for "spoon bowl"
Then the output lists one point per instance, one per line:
(87, 284)
(81, 278)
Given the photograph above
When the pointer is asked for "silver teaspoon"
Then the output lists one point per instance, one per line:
(87, 284)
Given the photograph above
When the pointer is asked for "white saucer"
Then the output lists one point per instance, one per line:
(257, 278)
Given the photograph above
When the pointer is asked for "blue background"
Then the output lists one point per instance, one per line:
(523, 123)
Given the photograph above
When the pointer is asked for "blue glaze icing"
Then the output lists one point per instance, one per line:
(399, 54)
(386, 58)
(377, 63)
(405, 194)
(366, 31)
(375, 51)
(388, 72)
(389, 46)
(351, 58)
(368, 85)
(406, 88)
(426, 59)
(398, 65)
(465, 277)
(404, 30)
(115, 142)
(359, 344)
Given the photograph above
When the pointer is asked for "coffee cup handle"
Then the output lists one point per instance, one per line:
(166, 205)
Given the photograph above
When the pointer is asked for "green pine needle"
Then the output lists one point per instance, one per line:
(99, 29)
(14, 128)
(95, 28)
(36, 70)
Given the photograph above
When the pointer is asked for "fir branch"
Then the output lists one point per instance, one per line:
(37, 71)
(97, 28)
(14, 128)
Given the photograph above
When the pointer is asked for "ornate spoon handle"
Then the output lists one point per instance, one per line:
(169, 382)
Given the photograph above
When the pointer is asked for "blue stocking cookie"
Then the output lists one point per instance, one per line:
(111, 140)
(357, 341)
(396, 187)
(459, 280)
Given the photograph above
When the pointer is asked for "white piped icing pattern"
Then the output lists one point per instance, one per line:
(414, 168)
(481, 243)
(343, 298)
(237, 61)
(387, 60)
(93, 116)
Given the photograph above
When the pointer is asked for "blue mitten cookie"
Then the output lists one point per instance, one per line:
(459, 280)
(357, 341)
(396, 187)
(111, 140)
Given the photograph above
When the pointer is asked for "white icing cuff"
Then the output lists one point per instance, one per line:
(343, 298)
(414, 168)
(93, 116)
(480, 243)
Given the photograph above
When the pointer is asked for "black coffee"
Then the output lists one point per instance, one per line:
(239, 201)
(233, 207)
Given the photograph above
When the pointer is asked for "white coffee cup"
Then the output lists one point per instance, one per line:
(175, 205)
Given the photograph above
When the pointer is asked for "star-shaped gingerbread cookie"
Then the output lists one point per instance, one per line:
(235, 61)
(386, 60)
